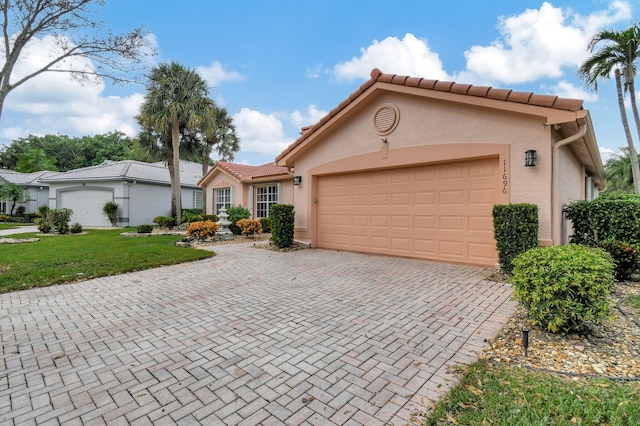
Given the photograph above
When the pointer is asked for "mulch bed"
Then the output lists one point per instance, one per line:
(608, 350)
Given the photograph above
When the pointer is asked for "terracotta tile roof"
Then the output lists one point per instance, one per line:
(546, 101)
(245, 171)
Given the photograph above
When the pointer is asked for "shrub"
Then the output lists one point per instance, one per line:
(43, 210)
(625, 257)
(266, 224)
(282, 225)
(237, 213)
(190, 217)
(76, 228)
(5, 218)
(145, 229)
(165, 221)
(59, 220)
(110, 210)
(515, 230)
(610, 216)
(20, 210)
(43, 226)
(193, 212)
(202, 230)
(211, 217)
(249, 226)
(564, 287)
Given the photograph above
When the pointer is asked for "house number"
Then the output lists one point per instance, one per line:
(504, 178)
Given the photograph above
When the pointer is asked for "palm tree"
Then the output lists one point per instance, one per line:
(13, 192)
(174, 95)
(618, 172)
(221, 133)
(618, 55)
(35, 160)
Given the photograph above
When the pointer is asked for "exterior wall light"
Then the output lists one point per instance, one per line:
(530, 158)
(297, 180)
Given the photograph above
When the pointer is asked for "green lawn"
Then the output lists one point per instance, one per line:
(510, 396)
(12, 225)
(61, 259)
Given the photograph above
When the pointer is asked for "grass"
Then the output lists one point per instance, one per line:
(632, 301)
(508, 395)
(97, 253)
(13, 225)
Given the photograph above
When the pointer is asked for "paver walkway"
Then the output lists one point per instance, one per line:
(249, 337)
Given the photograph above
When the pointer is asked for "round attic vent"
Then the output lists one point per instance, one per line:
(385, 119)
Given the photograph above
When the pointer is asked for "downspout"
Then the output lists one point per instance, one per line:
(557, 235)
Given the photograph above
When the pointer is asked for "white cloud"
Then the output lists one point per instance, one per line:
(538, 43)
(55, 103)
(307, 118)
(216, 74)
(606, 154)
(259, 132)
(314, 71)
(564, 89)
(409, 56)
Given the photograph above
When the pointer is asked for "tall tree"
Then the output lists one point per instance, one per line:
(219, 132)
(35, 160)
(618, 55)
(76, 35)
(69, 152)
(13, 192)
(175, 95)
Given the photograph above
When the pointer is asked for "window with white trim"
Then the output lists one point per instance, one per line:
(223, 198)
(266, 196)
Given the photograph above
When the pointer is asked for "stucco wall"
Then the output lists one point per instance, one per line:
(571, 183)
(222, 180)
(445, 131)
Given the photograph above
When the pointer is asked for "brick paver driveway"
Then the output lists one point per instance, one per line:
(248, 337)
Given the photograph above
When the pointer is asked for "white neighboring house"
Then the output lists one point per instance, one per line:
(36, 193)
(142, 190)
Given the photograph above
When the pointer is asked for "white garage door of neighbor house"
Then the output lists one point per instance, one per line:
(87, 206)
(436, 212)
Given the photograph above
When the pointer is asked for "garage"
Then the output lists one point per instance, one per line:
(436, 212)
(87, 206)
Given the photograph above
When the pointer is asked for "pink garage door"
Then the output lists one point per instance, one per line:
(436, 212)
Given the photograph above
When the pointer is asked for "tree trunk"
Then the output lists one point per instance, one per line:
(635, 166)
(175, 184)
(205, 169)
(634, 104)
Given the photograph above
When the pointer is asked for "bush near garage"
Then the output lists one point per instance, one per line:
(515, 230)
(282, 225)
(625, 257)
(564, 287)
(202, 230)
(610, 216)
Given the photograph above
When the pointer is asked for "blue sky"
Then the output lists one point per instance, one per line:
(277, 66)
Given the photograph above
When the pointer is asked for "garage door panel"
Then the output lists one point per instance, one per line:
(439, 212)
(87, 206)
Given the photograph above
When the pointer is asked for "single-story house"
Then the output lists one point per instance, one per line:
(36, 191)
(412, 167)
(143, 191)
(256, 188)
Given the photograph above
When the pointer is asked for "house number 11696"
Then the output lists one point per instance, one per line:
(504, 178)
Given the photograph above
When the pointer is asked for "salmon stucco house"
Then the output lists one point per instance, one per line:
(412, 167)
(255, 188)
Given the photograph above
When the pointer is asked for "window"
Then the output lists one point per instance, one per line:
(198, 200)
(223, 198)
(266, 196)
